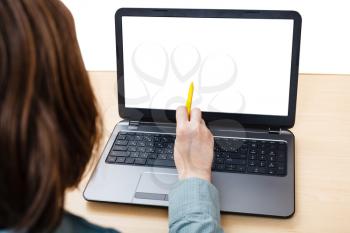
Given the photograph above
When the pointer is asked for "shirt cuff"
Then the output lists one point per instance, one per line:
(194, 196)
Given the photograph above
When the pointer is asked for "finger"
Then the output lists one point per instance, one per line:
(196, 116)
(181, 115)
(206, 127)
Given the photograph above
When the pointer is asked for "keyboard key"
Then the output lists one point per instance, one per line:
(141, 143)
(132, 143)
(150, 162)
(241, 169)
(152, 156)
(253, 152)
(129, 160)
(120, 160)
(273, 145)
(151, 144)
(169, 146)
(256, 170)
(252, 163)
(148, 138)
(271, 171)
(262, 170)
(164, 163)
(218, 155)
(219, 167)
(226, 155)
(134, 154)
(253, 169)
(113, 153)
(162, 156)
(219, 160)
(141, 149)
(120, 147)
(231, 149)
(120, 153)
(149, 149)
(132, 148)
(252, 157)
(111, 159)
(272, 153)
(231, 168)
(263, 152)
(262, 164)
(159, 150)
(281, 169)
(238, 156)
(121, 142)
(121, 137)
(143, 155)
(235, 161)
(138, 137)
(281, 158)
(140, 161)
(282, 147)
(169, 151)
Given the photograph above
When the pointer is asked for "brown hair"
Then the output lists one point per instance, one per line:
(48, 114)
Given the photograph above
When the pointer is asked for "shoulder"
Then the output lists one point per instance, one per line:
(72, 223)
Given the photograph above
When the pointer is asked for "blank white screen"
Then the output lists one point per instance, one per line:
(252, 56)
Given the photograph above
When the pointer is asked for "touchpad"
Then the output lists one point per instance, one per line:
(155, 186)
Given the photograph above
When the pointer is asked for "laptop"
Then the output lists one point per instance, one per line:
(244, 66)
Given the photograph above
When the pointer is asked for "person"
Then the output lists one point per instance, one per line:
(50, 129)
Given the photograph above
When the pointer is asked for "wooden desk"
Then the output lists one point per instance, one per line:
(322, 133)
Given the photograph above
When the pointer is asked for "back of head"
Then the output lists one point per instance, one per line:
(48, 114)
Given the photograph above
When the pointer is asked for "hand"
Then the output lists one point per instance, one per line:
(193, 151)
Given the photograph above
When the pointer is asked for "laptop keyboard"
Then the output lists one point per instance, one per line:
(262, 157)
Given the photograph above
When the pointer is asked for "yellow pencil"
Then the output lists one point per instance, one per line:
(189, 100)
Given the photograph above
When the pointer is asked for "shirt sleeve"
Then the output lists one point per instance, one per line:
(194, 207)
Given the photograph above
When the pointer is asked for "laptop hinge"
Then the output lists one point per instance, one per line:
(133, 124)
(275, 130)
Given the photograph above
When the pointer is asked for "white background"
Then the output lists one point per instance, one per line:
(325, 44)
(260, 48)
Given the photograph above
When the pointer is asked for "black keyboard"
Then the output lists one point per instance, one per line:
(235, 155)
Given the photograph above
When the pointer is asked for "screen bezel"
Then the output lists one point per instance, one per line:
(137, 114)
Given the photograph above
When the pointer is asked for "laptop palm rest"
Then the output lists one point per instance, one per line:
(155, 186)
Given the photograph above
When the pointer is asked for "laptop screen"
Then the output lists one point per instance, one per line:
(237, 65)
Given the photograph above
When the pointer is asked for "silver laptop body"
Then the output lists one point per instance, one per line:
(240, 192)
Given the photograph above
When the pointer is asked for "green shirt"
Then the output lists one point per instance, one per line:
(193, 207)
